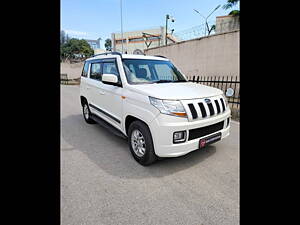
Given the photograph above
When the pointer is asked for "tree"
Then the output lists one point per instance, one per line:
(74, 47)
(108, 44)
(235, 13)
(230, 4)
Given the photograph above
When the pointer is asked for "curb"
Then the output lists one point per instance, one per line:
(70, 82)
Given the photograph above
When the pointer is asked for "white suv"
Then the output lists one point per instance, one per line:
(148, 100)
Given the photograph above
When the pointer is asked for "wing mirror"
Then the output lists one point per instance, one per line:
(110, 79)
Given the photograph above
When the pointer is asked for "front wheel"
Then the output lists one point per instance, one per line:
(141, 144)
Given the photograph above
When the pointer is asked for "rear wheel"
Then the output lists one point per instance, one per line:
(141, 144)
(87, 113)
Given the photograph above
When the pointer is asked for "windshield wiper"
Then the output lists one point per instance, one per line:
(163, 81)
(169, 81)
(179, 81)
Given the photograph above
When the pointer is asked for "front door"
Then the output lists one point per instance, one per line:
(107, 98)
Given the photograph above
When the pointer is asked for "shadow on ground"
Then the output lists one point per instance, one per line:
(111, 153)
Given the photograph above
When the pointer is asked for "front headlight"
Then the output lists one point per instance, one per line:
(169, 107)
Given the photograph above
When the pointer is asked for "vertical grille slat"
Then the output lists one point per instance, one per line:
(205, 107)
(211, 109)
(203, 111)
(193, 111)
(218, 106)
(223, 105)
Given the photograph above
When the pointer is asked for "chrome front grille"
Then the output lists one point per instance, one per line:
(204, 108)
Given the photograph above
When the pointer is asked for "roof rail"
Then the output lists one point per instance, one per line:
(161, 56)
(112, 53)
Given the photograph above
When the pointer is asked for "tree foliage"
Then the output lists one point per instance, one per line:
(73, 48)
(108, 44)
(230, 4)
(235, 13)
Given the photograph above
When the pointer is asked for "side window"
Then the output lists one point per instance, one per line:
(110, 67)
(96, 71)
(85, 69)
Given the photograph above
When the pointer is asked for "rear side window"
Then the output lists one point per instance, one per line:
(96, 71)
(85, 69)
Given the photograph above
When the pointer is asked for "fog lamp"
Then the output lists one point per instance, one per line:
(179, 136)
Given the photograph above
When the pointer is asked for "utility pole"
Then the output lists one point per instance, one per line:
(173, 20)
(166, 39)
(121, 25)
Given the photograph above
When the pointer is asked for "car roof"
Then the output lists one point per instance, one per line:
(127, 56)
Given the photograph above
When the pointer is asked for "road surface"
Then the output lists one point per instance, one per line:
(102, 184)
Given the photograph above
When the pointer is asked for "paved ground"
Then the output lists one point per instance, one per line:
(102, 184)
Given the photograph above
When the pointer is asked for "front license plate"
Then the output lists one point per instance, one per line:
(209, 140)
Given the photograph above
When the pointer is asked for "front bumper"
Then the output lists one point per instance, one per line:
(163, 127)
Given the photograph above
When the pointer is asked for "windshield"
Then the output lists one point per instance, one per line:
(140, 71)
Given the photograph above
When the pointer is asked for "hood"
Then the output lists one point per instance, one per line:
(176, 91)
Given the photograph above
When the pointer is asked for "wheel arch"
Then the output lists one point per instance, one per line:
(83, 100)
(130, 119)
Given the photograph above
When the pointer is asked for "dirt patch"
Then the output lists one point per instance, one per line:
(73, 70)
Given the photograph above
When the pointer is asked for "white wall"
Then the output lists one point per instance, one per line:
(215, 55)
(227, 23)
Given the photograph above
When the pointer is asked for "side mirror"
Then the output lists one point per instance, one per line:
(229, 92)
(109, 79)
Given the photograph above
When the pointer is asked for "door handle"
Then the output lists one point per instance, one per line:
(102, 93)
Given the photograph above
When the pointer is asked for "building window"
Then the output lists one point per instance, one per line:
(120, 41)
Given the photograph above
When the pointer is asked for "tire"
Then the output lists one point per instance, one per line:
(87, 113)
(139, 133)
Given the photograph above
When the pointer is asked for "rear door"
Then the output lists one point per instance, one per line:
(94, 85)
(84, 86)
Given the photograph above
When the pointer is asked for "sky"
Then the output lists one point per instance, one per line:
(91, 19)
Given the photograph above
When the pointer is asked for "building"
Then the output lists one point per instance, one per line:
(95, 44)
(227, 23)
(99, 51)
(135, 42)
